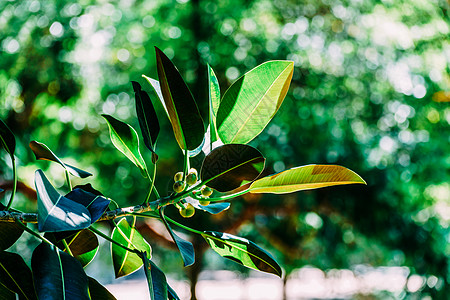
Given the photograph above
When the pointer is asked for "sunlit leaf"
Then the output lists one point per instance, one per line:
(126, 140)
(7, 139)
(96, 205)
(56, 212)
(156, 280)
(214, 101)
(212, 208)
(156, 87)
(57, 275)
(242, 251)
(305, 178)
(187, 124)
(148, 120)
(252, 101)
(229, 166)
(126, 262)
(41, 151)
(98, 291)
(185, 247)
(16, 275)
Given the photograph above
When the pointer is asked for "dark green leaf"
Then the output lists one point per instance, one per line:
(9, 233)
(41, 151)
(126, 262)
(5, 293)
(88, 188)
(55, 212)
(57, 275)
(98, 291)
(172, 294)
(95, 204)
(156, 280)
(214, 102)
(251, 102)
(187, 124)
(16, 275)
(186, 249)
(7, 139)
(212, 208)
(83, 245)
(229, 166)
(305, 178)
(148, 120)
(126, 140)
(242, 251)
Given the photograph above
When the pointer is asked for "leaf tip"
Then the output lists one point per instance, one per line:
(136, 86)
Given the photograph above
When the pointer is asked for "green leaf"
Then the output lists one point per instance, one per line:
(95, 204)
(242, 251)
(9, 233)
(98, 291)
(83, 245)
(126, 262)
(187, 124)
(212, 208)
(156, 280)
(172, 294)
(5, 293)
(41, 151)
(214, 101)
(305, 178)
(7, 139)
(251, 102)
(57, 275)
(55, 212)
(148, 120)
(156, 87)
(229, 166)
(16, 275)
(185, 247)
(126, 140)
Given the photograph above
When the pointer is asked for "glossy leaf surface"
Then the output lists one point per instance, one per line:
(184, 115)
(96, 205)
(148, 120)
(156, 280)
(305, 178)
(185, 247)
(242, 251)
(57, 275)
(41, 151)
(56, 212)
(156, 87)
(212, 208)
(83, 245)
(214, 101)
(229, 166)
(171, 293)
(98, 291)
(126, 140)
(16, 275)
(252, 101)
(6, 294)
(126, 262)
(9, 233)
(7, 139)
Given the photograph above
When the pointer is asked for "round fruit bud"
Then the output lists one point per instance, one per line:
(191, 178)
(206, 191)
(178, 176)
(179, 186)
(204, 202)
(188, 211)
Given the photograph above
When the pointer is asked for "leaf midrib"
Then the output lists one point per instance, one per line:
(12, 278)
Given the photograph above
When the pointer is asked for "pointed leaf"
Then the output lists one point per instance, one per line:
(242, 251)
(229, 166)
(212, 208)
(55, 212)
(156, 280)
(187, 124)
(172, 294)
(7, 139)
(214, 101)
(98, 291)
(148, 120)
(126, 140)
(126, 262)
(41, 151)
(16, 275)
(57, 275)
(9, 233)
(83, 245)
(305, 178)
(252, 101)
(96, 205)
(185, 247)
(156, 87)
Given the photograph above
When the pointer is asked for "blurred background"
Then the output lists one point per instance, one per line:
(370, 91)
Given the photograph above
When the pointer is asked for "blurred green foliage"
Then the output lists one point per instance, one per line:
(370, 91)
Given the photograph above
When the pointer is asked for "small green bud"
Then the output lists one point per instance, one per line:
(187, 211)
(204, 202)
(178, 176)
(179, 186)
(191, 178)
(206, 191)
